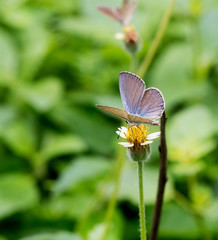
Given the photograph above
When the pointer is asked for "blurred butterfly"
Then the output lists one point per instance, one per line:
(123, 15)
(141, 106)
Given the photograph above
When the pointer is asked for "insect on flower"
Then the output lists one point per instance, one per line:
(122, 15)
(141, 106)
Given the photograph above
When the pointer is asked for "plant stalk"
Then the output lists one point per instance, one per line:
(141, 201)
(156, 42)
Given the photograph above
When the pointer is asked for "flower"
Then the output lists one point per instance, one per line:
(124, 16)
(138, 141)
(130, 38)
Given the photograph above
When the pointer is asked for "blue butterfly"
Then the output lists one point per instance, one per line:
(141, 106)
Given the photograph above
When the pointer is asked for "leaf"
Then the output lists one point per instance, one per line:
(82, 169)
(211, 216)
(61, 235)
(8, 63)
(61, 144)
(174, 77)
(67, 206)
(35, 45)
(209, 32)
(17, 193)
(177, 223)
(190, 134)
(44, 94)
(20, 137)
(7, 115)
(95, 131)
(129, 185)
(115, 230)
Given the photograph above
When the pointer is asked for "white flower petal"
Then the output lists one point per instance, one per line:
(121, 134)
(126, 144)
(119, 36)
(122, 131)
(146, 143)
(153, 135)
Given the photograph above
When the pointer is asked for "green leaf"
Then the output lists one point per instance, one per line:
(190, 134)
(81, 170)
(20, 137)
(44, 94)
(211, 216)
(172, 74)
(129, 184)
(177, 223)
(61, 235)
(114, 233)
(209, 32)
(9, 61)
(97, 133)
(35, 45)
(7, 115)
(17, 193)
(61, 144)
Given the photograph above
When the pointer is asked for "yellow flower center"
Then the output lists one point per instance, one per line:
(128, 28)
(136, 134)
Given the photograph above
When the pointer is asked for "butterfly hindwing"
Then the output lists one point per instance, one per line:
(151, 105)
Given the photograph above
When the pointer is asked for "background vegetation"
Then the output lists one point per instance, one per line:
(58, 152)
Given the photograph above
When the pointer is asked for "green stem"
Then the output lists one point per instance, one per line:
(134, 62)
(141, 201)
(156, 42)
(113, 200)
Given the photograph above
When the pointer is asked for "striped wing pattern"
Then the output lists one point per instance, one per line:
(141, 106)
(131, 90)
(151, 105)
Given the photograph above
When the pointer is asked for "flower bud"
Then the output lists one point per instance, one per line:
(139, 152)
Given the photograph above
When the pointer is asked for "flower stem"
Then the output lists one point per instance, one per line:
(113, 200)
(156, 42)
(141, 201)
(134, 62)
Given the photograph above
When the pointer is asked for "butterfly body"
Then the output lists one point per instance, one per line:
(141, 106)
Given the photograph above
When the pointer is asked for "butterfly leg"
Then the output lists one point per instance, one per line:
(140, 129)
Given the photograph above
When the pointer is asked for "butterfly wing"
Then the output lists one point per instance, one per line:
(151, 105)
(112, 13)
(132, 89)
(127, 11)
(115, 111)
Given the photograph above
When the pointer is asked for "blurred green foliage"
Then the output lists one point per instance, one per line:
(57, 60)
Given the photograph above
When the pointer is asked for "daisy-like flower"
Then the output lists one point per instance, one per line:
(124, 16)
(138, 141)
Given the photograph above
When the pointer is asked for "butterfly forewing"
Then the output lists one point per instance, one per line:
(131, 90)
(115, 111)
(113, 13)
(151, 105)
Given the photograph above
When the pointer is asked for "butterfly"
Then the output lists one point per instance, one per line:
(142, 106)
(123, 15)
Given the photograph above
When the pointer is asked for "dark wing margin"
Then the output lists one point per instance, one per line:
(132, 89)
(151, 105)
(114, 111)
